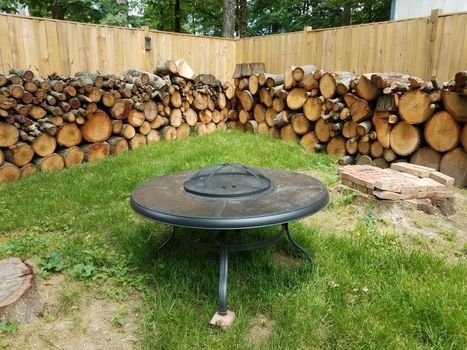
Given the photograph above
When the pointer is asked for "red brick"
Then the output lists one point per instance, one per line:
(442, 178)
(387, 195)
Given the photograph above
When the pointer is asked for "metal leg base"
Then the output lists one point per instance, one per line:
(295, 244)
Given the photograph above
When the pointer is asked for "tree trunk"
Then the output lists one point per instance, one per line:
(57, 10)
(177, 17)
(228, 22)
(243, 18)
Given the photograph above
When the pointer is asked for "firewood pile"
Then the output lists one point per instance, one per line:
(60, 121)
(372, 119)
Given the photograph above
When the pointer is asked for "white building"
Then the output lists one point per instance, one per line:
(401, 9)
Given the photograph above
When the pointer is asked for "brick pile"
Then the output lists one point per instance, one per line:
(402, 181)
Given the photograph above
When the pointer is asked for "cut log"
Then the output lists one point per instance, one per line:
(121, 109)
(463, 138)
(442, 132)
(456, 104)
(243, 116)
(251, 126)
(349, 129)
(118, 144)
(170, 133)
(259, 112)
(9, 135)
(265, 97)
(153, 137)
(19, 299)
(161, 121)
(376, 149)
(9, 173)
(296, 98)
(278, 104)
(28, 170)
(2, 157)
(426, 156)
(351, 146)
(404, 138)
(364, 127)
(364, 160)
(312, 108)
(454, 164)
(336, 146)
(183, 131)
(176, 117)
(97, 127)
(184, 70)
(358, 107)
(300, 124)
(96, 151)
(253, 84)
(136, 118)
(322, 130)
(271, 80)
(309, 83)
(229, 90)
(72, 156)
(366, 89)
(44, 145)
(387, 103)
(346, 160)
(287, 133)
(145, 128)
(363, 146)
(382, 128)
(299, 72)
(328, 84)
(128, 131)
(263, 128)
(380, 163)
(270, 115)
(20, 154)
(69, 135)
(150, 110)
(137, 141)
(191, 117)
(281, 119)
(415, 107)
(273, 132)
(389, 155)
(167, 68)
(51, 162)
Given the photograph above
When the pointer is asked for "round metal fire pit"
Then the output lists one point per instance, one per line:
(230, 197)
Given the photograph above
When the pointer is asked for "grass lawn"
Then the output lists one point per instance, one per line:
(368, 288)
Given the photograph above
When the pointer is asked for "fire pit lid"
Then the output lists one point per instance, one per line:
(228, 180)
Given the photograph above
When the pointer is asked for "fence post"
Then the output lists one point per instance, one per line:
(433, 58)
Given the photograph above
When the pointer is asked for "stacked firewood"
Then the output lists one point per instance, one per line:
(368, 119)
(60, 121)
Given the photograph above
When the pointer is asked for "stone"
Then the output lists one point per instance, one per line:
(426, 206)
(223, 321)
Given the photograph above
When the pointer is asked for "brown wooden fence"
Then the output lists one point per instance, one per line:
(67, 47)
(421, 46)
(415, 46)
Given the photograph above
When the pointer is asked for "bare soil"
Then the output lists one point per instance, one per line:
(83, 322)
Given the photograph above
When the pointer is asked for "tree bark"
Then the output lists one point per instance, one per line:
(228, 23)
(243, 18)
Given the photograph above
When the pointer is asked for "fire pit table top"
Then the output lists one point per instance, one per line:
(229, 196)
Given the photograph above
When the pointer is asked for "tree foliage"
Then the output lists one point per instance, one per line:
(204, 17)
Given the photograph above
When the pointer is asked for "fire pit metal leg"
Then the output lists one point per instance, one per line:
(295, 244)
(167, 241)
(224, 262)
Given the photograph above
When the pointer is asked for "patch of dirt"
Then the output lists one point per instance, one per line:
(282, 258)
(85, 324)
(260, 331)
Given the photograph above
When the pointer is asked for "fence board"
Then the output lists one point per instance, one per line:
(66, 47)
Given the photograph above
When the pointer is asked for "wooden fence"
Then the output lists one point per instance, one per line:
(67, 47)
(419, 46)
(426, 46)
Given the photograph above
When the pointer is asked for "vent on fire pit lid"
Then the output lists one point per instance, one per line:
(227, 181)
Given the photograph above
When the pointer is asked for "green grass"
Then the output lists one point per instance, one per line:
(364, 290)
